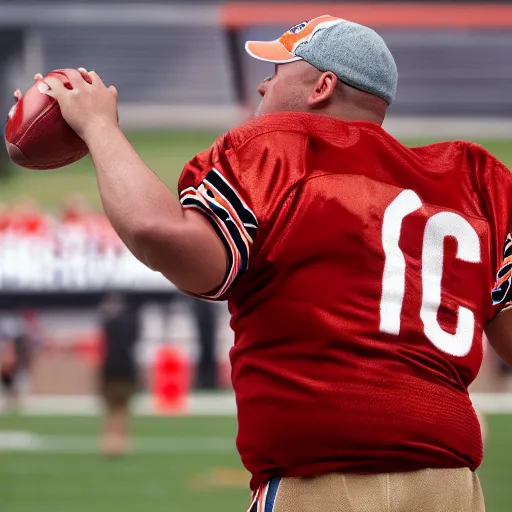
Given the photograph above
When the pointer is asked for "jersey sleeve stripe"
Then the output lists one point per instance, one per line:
(221, 202)
(232, 234)
(507, 261)
(191, 202)
(223, 213)
(246, 215)
(503, 275)
(502, 291)
(232, 253)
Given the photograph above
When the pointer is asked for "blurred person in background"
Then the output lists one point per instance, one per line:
(205, 317)
(10, 370)
(20, 339)
(359, 274)
(120, 324)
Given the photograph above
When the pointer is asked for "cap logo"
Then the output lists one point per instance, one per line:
(303, 32)
(299, 28)
(282, 50)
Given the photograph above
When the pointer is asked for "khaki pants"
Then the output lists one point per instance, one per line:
(430, 490)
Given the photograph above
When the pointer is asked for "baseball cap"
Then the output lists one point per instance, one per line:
(355, 53)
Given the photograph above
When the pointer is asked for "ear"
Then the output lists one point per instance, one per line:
(323, 89)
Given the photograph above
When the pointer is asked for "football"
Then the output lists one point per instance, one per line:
(36, 134)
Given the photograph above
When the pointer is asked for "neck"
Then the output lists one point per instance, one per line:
(352, 114)
(351, 104)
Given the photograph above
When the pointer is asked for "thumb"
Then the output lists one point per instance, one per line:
(51, 86)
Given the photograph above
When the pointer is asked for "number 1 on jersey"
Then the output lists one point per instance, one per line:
(438, 227)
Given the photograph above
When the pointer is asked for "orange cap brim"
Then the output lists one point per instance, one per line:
(270, 51)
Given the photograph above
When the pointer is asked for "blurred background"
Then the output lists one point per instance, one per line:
(99, 356)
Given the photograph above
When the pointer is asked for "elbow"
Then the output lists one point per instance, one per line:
(188, 253)
(161, 246)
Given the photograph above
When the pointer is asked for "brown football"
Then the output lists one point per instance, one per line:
(36, 135)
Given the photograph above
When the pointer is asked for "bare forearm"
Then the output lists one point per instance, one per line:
(149, 219)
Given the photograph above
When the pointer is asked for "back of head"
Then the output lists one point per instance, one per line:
(365, 71)
(356, 54)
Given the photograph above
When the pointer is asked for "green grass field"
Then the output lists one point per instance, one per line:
(165, 153)
(178, 465)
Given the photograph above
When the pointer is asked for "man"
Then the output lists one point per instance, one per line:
(358, 274)
(205, 319)
(120, 321)
(9, 371)
(20, 339)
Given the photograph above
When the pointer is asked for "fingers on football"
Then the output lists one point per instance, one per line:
(96, 79)
(77, 78)
(51, 86)
(86, 75)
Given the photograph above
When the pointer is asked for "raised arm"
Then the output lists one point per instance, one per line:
(180, 244)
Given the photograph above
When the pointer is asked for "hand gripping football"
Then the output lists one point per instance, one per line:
(36, 134)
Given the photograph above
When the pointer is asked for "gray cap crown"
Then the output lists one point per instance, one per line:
(356, 54)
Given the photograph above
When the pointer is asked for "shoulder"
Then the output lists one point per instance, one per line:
(475, 153)
(452, 150)
(490, 178)
(485, 164)
(479, 157)
(468, 157)
(257, 144)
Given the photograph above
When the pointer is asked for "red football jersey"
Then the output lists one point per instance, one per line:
(360, 280)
